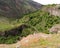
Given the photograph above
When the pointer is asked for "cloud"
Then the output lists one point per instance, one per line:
(48, 1)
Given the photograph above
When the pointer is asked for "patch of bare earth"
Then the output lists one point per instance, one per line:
(51, 40)
(33, 38)
(26, 41)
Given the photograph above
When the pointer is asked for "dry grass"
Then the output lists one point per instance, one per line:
(39, 40)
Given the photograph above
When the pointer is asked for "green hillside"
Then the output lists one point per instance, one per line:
(39, 21)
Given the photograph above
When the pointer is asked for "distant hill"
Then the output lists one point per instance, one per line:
(16, 8)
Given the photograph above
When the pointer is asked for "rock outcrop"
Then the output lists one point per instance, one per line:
(55, 29)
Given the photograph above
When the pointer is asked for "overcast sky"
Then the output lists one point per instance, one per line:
(48, 1)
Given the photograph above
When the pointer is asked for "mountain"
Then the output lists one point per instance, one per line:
(35, 20)
(17, 8)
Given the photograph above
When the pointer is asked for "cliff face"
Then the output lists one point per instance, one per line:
(53, 9)
(16, 8)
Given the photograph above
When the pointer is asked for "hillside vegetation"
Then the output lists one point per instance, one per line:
(39, 21)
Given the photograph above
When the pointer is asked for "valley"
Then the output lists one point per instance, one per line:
(28, 24)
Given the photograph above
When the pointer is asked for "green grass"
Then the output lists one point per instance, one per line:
(8, 23)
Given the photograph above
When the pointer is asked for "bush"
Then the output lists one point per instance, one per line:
(27, 31)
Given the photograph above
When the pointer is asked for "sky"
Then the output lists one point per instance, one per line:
(45, 2)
